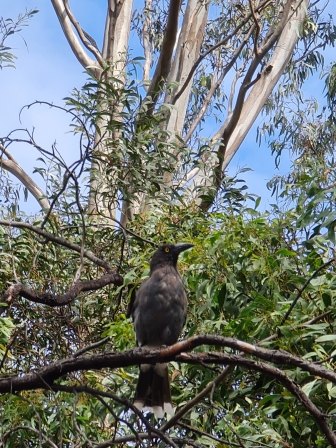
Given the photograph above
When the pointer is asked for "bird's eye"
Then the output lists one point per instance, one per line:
(166, 249)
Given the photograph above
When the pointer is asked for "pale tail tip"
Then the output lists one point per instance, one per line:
(158, 411)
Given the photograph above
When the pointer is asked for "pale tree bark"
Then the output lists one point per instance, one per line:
(269, 77)
(115, 52)
(11, 165)
(146, 43)
(187, 52)
(113, 55)
(180, 67)
(77, 41)
(117, 30)
(239, 122)
(179, 62)
(163, 65)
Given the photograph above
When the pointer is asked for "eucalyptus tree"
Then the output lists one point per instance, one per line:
(255, 366)
(205, 65)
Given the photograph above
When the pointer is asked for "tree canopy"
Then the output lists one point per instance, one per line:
(255, 364)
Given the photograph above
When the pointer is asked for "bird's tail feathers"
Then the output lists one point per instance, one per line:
(153, 390)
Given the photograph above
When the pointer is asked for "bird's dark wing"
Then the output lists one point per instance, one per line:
(160, 308)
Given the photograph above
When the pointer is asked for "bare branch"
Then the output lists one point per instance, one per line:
(53, 300)
(14, 168)
(45, 377)
(285, 37)
(91, 347)
(257, 25)
(85, 38)
(213, 48)
(89, 64)
(53, 371)
(246, 84)
(251, 107)
(164, 63)
(323, 266)
(214, 86)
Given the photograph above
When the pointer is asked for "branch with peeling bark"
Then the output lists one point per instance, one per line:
(247, 83)
(85, 38)
(233, 131)
(215, 47)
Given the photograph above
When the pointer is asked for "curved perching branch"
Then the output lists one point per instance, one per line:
(114, 360)
(45, 377)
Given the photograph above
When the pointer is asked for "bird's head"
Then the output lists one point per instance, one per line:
(168, 254)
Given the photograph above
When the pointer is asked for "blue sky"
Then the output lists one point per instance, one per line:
(46, 69)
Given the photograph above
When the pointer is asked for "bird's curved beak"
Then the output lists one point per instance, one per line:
(181, 247)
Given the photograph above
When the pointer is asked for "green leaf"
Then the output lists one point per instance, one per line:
(307, 388)
(326, 338)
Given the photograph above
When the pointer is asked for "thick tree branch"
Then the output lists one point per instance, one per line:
(53, 300)
(45, 377)
(58, 369)
(214, 47)
(164, 63)
(89, 64)
(14, 168)
(246, 84)
(212, 90)
(247, 109)
(85, 38)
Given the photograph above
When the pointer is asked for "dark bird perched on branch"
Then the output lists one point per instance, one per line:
(159, 314)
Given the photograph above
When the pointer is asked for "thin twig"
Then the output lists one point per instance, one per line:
(181, 412)
(323, 266)
(91, 347)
